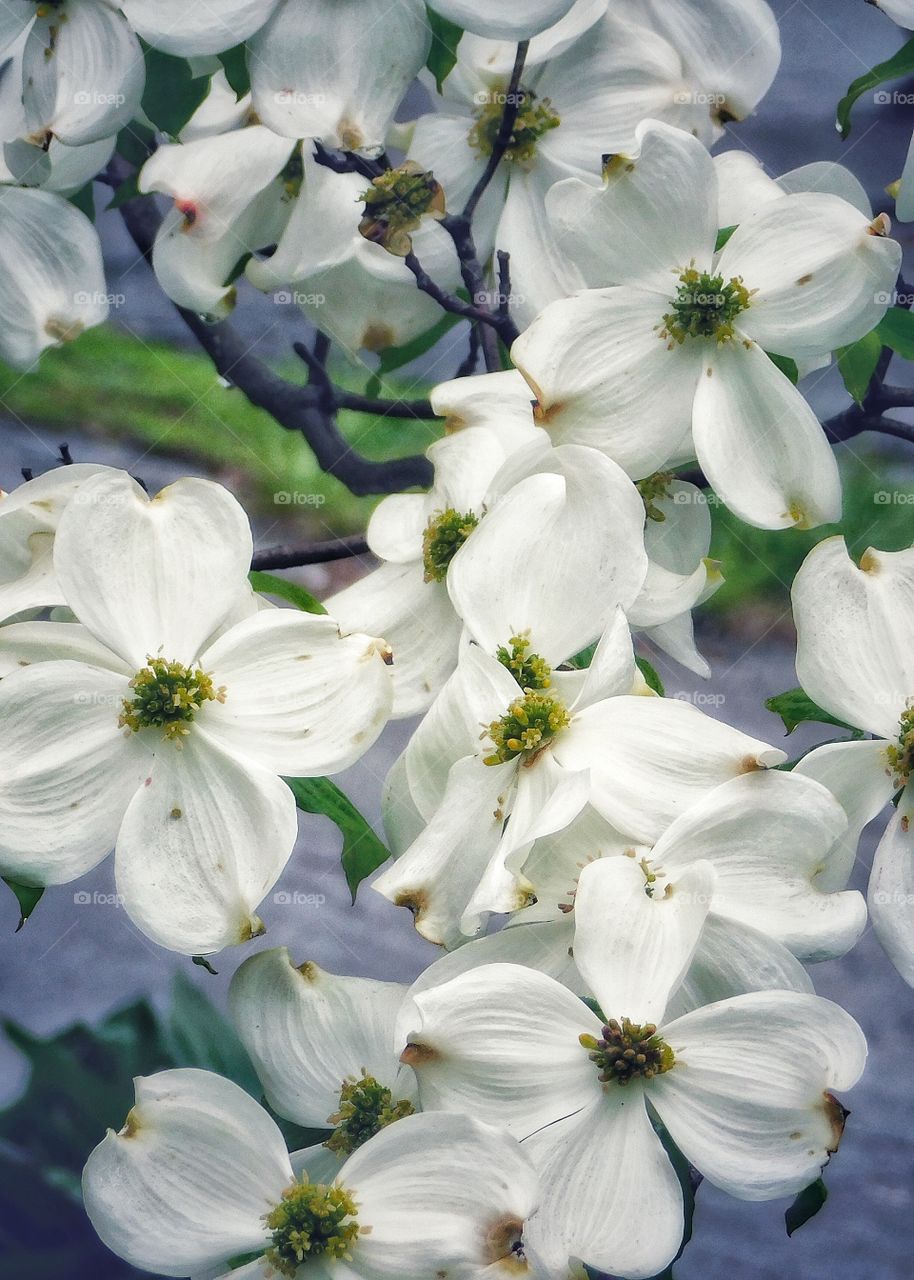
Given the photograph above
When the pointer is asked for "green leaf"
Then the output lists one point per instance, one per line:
(806, 1206)
(581, 661)
(795, 707)
(786, 366)
(128, 190)
(235, 65)
(172, 92)
(442, 56)
(392, 358)
(896, 330)
(269, 585)
(84, 200)
(858, 363)
(28, 896)
(900, 64)
(197, 1035)
(723, 236)
(135, 143)
(363, 852)
(651, 678)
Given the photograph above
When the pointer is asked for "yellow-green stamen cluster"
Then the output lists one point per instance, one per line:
(310, 1220)
(366, 1107)
(396, 203)
(528, 669)
(167, 695)
(535, 117)
(628, 1052)
(901, 754)
(444, 535)
(529, 725)
(705, 306)
(651, 489)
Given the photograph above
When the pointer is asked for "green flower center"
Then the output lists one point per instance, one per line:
(535, 118)
(527, 727)
(445, 534)
(310, 1220)
(651, 489)
(901, 754)
(167, 695)
(366, 1107)
(528, 669)
(628, 1051)
(396, 203)
(705, 306)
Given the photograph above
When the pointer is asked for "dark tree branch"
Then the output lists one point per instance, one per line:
(304, 409)
(505, 133)
(288, 556)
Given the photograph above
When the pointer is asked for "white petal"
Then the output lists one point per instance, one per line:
(822, 276)
(604, 377)
(201, 844)
(633, 950)
(24, 643)
(743, 187)
(418, 622)
(544, 946)
(858, 775)
(308, 1031)
(396, 526)
(650, 758)
(169, 25)
(301, 700)
(677, 639)
(469, 1189)
(760, 444)
(466, 463)
(186, 1182)
(734, 50)
(900, 11)
(827, 176)
(67, 773)
(478, 692)
(554, 556)
(337, 69)
(501, 1043)
(52, 282)
(152, 576)
(747, 1099)
(83, 77)
(510, 23)
(891, 889)
(852, 623)
(732, 959)
(768, 836)
(652, 217)
(610, 1194)
(500, 402)
(439, 872)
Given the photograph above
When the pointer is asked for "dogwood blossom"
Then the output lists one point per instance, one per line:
(670, 360)
(28, 521)
(458, 557)
(154, 726)
(325, 1049)
(199, 1177)
(742, 1086)
(852, 659)
(553, 741)
(52, 281)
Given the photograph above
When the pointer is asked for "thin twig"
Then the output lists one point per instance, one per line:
(289, 556)
(505, 133)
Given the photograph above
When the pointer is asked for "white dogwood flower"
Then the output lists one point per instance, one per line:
(670, 360)
(772, 839)
(742, 1086)
(29, 517)
(325, 1049)
(52, 280)
(900, 11)
(199, 1177)
(155, 727)
(853, 659)
(552, 742)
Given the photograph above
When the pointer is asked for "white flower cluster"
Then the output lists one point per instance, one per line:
(527, 1106)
